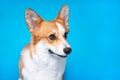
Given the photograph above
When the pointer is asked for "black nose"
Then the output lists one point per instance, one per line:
(67, 50)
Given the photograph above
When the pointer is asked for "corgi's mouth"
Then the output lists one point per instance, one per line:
(51, 52)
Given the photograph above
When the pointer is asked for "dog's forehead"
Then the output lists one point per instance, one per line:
(48, 27)
(52, 27)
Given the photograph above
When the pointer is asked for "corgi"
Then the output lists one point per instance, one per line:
(44, 58)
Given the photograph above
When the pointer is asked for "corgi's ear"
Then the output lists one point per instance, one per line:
(63, 15)
(33, 20)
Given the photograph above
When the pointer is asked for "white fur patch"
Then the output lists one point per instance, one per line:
(60, 28)
(43, 65)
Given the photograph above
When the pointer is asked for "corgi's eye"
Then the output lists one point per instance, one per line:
(52, 37)
(65, 35)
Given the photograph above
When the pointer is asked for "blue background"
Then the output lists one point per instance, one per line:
(94, 36)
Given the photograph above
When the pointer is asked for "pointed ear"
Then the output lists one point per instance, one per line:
(63, 15)
(33, 20)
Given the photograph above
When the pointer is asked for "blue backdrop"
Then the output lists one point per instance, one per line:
(94, 36)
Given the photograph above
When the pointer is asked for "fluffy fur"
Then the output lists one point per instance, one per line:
(42, 58)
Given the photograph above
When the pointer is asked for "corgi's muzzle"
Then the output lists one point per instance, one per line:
(66, 50)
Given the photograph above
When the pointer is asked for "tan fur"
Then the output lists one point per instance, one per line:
(46, 28)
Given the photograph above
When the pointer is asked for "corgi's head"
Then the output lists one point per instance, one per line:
(49, 37)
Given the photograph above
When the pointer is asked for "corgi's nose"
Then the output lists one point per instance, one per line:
(67, 50)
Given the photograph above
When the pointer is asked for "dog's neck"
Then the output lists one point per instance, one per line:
(42, 66)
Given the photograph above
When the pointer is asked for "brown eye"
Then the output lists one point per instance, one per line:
(65, 35)
(52, 37)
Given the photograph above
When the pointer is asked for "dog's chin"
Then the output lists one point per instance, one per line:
(51, 52)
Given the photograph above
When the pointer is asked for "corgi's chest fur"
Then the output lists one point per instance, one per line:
(47, 68)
